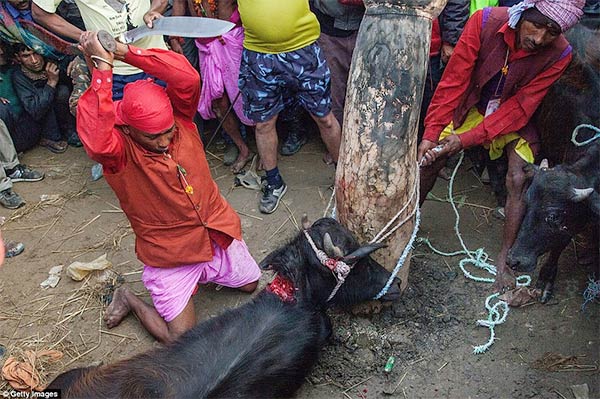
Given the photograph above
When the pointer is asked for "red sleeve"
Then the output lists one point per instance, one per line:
(183, 81)
(455, 79)
(96, 123)
(513, 114)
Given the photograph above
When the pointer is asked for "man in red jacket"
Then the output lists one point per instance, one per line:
(501, 69)
(186, 233)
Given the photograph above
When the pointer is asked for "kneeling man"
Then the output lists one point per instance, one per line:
(186, 233)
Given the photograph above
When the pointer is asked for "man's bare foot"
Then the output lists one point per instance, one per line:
(505, 280)
(118, 308)
(241, 161)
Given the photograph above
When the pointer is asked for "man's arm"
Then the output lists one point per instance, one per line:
(452, 22)
(54, 22)
(455, 80)
(157, 8)
(95, 110)
(179, 9)
(513, 114)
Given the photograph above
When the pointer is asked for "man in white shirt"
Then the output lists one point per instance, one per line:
(113, 16)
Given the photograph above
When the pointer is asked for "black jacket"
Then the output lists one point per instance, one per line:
(36, 96)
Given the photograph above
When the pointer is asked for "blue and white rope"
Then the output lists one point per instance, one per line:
(588, 141)
(498, 312)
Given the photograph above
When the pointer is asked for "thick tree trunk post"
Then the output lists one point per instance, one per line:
(377, 170)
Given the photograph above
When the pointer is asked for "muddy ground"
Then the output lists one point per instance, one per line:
(430, 331)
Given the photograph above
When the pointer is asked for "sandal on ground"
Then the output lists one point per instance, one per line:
(249, 178)
(57, 147)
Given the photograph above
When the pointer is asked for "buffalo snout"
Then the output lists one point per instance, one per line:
(521, 263)
(393, 292)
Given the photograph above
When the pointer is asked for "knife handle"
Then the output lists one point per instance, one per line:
(107, 41)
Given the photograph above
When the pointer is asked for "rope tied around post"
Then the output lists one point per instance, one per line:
(388, 230)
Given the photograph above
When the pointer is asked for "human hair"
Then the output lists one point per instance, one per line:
(19, 48)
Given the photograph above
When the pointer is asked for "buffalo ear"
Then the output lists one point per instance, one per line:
(362, 252)
(272, 260)
(283, 259)
(580, 194)
(530, 170)
(594, 202)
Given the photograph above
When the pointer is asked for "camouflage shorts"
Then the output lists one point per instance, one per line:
(80, 74)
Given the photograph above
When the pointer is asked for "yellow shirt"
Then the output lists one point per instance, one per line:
(278, 26)
(114, 17)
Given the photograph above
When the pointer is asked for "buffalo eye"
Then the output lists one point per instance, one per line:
(555, 219)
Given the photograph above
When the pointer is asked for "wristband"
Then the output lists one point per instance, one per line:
(98, 58)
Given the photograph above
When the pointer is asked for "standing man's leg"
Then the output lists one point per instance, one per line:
(262, 87)
(314, 93)
(331, 133)
(231, 124)
(515, 210)
(266, 143)
(338, 53)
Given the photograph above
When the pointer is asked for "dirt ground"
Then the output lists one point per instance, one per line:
(431, 331)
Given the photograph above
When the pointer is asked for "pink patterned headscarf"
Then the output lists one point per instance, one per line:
(565, 13)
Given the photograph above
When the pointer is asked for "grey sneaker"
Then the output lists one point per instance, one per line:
(11, 200)
(23, 173)
(271, 197)
(13, 248)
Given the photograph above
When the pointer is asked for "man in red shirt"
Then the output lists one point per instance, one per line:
(501, 69)
(153, 159)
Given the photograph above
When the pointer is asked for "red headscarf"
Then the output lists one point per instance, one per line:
(145, 106)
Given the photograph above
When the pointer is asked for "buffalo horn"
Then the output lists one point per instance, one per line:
(544, 164)
(330, 249)
(579, 194)
(305, 223)
(361, 252)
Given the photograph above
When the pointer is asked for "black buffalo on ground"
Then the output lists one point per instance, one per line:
(263, 349)
(563, 201)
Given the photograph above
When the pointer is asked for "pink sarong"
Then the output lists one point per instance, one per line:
(219, 70)
(172, 287)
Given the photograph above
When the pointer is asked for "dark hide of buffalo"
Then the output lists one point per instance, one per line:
(263, 349)
(554, 213)
(561, 202)
(575, 98)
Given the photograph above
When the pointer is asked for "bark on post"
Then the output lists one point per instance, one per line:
(377, 167)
